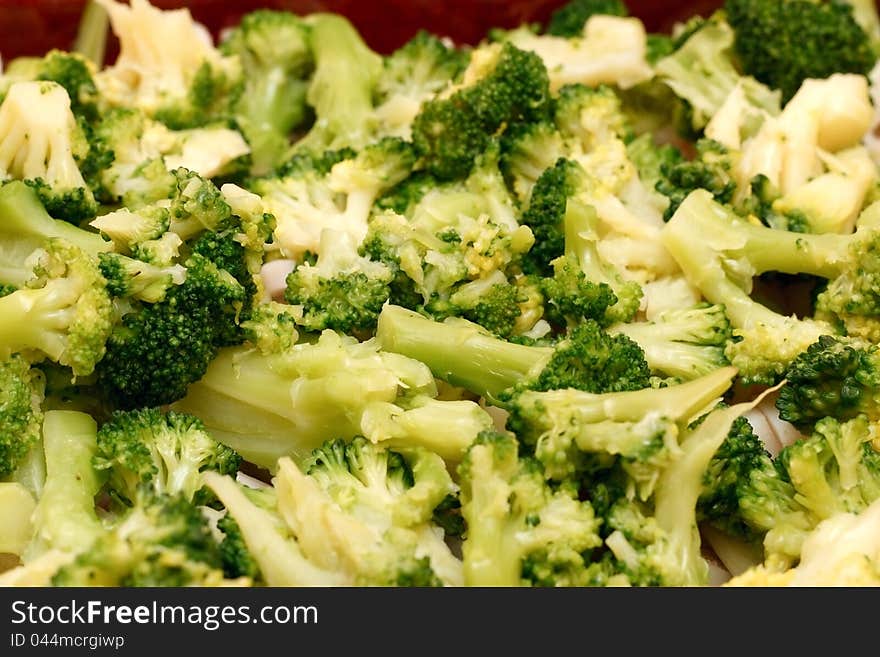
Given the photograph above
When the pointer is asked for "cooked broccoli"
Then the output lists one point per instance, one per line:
(784, 42)
(22, 389)
(712, 169)
(234, 555)
(131, 278)
(449, 133)
(276, 60)
(465, 354)
(43, 146)
(528, 150)
(520, 530)
(288, 403)
(150, 451)
(685, 344)
(76, 74)
(569, 20)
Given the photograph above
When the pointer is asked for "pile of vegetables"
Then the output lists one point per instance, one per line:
(578, 305)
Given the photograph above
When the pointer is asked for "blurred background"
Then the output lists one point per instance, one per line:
(31, 27)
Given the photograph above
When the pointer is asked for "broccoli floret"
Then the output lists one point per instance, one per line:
(76, 74)
(406, 195)
(157, 350)
(834, 377)
(720, 253)
(464, 354)
(274, 50)
(344, 115)
(528, 150)
(65, 312)
(784, 42)
(569, 20)
(492, 302)
(162, 453)
(22, 389)
(128, 230)
(713, 169)
(197, 205)
(271, 327)
(685, 344)
(236, 558)
(43, 145)
(288, 403)
(639, 425)
(702, 72)
(163, 541)
(450, 132)
(519, 529)
(412, 74)
(131, 278)
(652, 159)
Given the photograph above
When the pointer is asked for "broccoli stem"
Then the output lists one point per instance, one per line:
(65, 517)
(460, 352)
(16, 507)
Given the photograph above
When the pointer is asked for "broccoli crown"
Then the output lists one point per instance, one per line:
(271, 327)
(520, 530)
(545, 214)
(196, 205)
(132, 278)
(162, 452)
(784, 42)
(528, 149)
(834, 377)
(405, 196)
(65, 313)
(75, 73)
(21, 416)
(158, 349)
(712, 169)
(164, 541)
(741, 453)
(349, 301)
(450, 132)
(234, 555)
(569, 20)
(569, 297)
(423, 66)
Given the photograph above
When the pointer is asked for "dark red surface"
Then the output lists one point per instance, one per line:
(31, 27)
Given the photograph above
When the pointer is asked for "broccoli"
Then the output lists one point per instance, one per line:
(43, 146)
(65, 312)
(464, 354)
(835, 470)
(156, 350)
(166, 67)
(311, 199)
(288, 403)
(640, 425)
(164, 453)
(784, 42)
(237, 561)
(450, 132)
(519, 529)
(685, 344)
(76, 74)
(834, 377)
(22, 389)
(135, 279)
(128, 230)
(271, 327)
(569, 20)
(276, 59)
(413, 74)
(701, 71)
(344, 113)
(713, 169)
(527, 151)
(16, 509)
(720, 253)
(165, 541)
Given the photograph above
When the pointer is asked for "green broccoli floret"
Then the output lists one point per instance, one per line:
(344, 113)
(652, 159)
(131, 278)
(65, 312)
(157, 350)
(720, 252)
(640, 425)
(701, 71)
(148, 450)
(492, 302)
(520, 530)
(76, 74)
(271, 327)
(528, 150)
(22, 390)
(569, 20)
(835, 470)
(412, 74)
(784, 42)
(288, 403)
(163, 541)
(685, 344)
(43, 145)
(713, 169)
(450, 132)
(236, 558)
(197, 205)
(464, 354)
(128, 230)
(405, 196)
(276, 59)
(834, 377)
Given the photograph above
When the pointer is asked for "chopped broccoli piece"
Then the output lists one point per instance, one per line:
(569, 20)
(22, 389)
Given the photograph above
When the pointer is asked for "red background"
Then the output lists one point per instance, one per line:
(31, 27)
